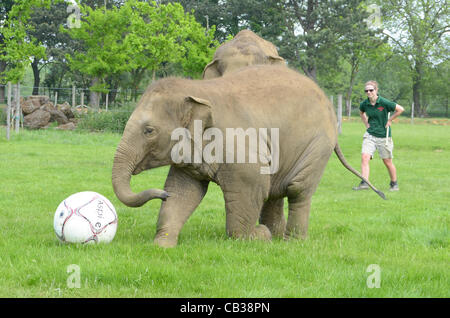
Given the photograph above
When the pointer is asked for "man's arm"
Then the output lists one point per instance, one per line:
(364, 119)
(398, 110)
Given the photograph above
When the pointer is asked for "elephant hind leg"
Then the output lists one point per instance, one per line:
(242, 215)
(272, 216)
(303, 183)
(298, 219)
(245, 190)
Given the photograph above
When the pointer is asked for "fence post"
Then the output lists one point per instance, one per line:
(73, 96)
(339, 114)
(56, 98)
(8, 112)
(412, 114)
(17, 112)
(82, 99)
(107, 97)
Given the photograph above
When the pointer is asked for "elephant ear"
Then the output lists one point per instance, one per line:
(276, 60)
(197, 109)
(211, 70)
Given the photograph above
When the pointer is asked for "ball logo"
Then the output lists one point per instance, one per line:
(99, 209)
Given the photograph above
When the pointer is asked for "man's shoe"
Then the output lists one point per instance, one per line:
(393, 186)
(362, 186)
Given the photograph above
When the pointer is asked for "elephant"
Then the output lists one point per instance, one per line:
(245, 49)
(303, 135)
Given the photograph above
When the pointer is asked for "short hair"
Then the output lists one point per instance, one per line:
(373, 83)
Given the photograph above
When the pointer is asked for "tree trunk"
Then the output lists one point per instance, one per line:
(37, 76)
(354, 72)
(94, 97)
(417, 96)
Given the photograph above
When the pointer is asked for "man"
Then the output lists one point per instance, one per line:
(374, 114)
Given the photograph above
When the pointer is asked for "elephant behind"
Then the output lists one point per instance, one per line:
(292, 158)
(245, 49)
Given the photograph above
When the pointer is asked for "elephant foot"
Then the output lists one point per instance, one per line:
(277, 230)
(261, 232)
(165, 240)
(293, 235)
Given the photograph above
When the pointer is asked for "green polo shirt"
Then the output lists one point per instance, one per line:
(377, 115)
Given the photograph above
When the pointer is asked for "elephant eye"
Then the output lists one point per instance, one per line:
(148, 130)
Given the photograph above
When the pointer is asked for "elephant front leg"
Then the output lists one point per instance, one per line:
(186, 194)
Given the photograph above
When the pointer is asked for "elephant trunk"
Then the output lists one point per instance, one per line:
(125, 161)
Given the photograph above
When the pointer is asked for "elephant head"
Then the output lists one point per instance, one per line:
(244, 50)
(146, 142)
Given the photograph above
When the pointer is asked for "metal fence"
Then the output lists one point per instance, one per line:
(116, 101)
(76, 96)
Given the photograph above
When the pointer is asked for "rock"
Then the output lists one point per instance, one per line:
(66, 109)
(48, 107)
(37, 119)
(28, 107)
(68, 126)
(39, 111)
(39, 100)
(57, 115)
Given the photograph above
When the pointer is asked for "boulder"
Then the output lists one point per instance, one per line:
(37, 119)
(28, 106)
(48, 106)
(39, 111)
(38, 100)
(58, 116)
(66, 109)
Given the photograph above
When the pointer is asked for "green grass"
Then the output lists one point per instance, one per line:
(407, 235)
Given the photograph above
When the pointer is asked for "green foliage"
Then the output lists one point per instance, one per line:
(17, 46)
(101, 32)
(140, 36)
(105, 121)
(418, 30)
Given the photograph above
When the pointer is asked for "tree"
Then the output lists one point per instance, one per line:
(5, 8)
(416, 29)
(16, 46)
(145, 36)
(45, 28)
(358, 40)
(101, 32)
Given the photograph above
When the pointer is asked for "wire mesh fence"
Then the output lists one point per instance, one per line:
(116, 106)
(76, 96)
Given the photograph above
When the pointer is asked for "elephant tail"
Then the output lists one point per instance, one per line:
(344, 162)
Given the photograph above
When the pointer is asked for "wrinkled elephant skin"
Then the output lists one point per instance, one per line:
(262, 98)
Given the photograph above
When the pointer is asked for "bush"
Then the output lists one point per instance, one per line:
(108, 121)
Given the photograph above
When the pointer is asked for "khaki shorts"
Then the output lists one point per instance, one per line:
(371, 144)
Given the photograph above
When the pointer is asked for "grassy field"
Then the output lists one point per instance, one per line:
(406, 237)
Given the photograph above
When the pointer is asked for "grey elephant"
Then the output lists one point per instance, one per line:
(288, 162)
(245, 49)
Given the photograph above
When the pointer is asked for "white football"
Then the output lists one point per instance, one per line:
(85, 217)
